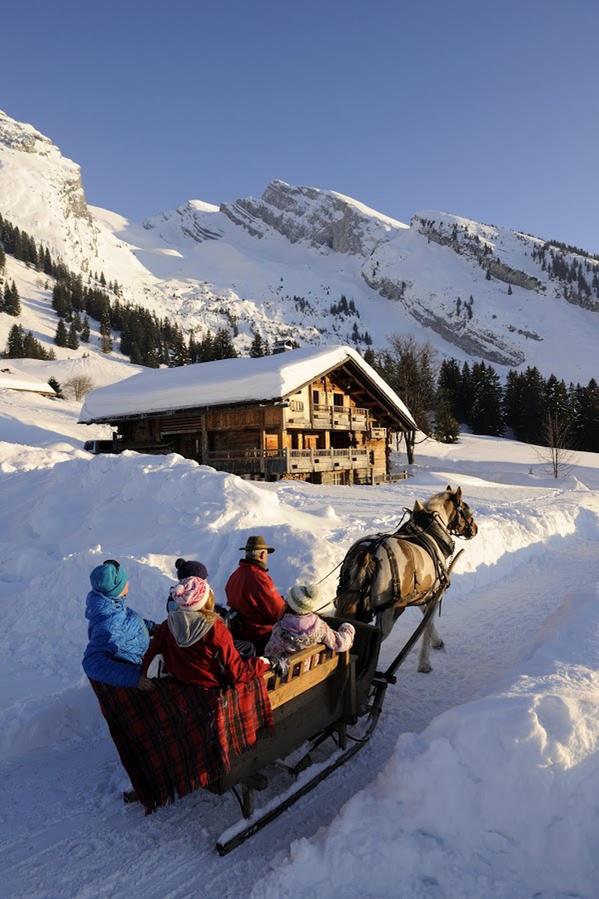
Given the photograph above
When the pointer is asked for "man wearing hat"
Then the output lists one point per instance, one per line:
(252, 594)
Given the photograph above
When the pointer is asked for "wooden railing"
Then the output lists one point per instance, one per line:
(283, 461)
(344, 418)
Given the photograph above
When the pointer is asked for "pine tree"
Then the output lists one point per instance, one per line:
(54, 384)
(85, 332)
(61, 337)
(180, 354)
(33, 349)
(12, 302)
(223, 345)
(15, 344)
(486, 415)
(72, 339)
(257, 347)
(532, 409)
(449, 388)
(105, 337)
(409, 368)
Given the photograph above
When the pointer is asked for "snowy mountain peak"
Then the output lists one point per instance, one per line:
(318, 266)
(42, 192)
(322, 218)
(18, 136)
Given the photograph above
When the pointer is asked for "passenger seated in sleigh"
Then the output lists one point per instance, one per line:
(301, 627)
(195, 644)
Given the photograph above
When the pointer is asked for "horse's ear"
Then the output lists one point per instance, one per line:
(458, 495)
(449, 488)
(418, 507)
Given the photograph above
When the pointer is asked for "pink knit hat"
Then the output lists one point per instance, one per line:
(191, 593)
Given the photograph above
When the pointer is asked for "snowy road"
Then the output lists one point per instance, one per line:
(69, 829)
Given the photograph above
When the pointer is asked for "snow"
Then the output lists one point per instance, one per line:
(480, 779)
(227, 381)
(205, 270)
(10, 379)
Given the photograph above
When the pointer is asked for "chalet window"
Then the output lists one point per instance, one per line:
(296, 406)
(338, 399)
(315, 397)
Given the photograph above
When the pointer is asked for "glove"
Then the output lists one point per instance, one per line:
(347, 628)
(279, 664)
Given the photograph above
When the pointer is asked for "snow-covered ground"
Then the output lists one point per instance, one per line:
(480, 779)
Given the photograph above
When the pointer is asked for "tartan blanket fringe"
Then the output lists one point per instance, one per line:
(178, 738)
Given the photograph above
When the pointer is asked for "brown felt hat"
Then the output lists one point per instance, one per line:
(257, 543)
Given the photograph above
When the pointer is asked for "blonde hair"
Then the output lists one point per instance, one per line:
(208, 608)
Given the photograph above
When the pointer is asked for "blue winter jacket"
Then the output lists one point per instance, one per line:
(117, 635)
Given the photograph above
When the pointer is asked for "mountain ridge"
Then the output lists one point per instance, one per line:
(278, 265)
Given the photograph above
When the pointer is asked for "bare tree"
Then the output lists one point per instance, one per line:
(557, 456)
(410, 368)
(77, 386)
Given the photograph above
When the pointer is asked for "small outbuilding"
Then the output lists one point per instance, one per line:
(320, 415)
(11, 379)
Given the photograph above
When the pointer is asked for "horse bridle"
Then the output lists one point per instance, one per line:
(461, 516)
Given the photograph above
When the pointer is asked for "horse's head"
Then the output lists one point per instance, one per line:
(462, 523)
(455, 513)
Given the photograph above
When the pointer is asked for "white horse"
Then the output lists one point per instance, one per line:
(383, 574)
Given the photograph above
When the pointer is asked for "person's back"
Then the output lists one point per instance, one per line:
(300, 627)
(252, 594)
(196, 645)
(118, 636)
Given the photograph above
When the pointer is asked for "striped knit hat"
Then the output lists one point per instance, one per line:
(303, 599)
(191, 593)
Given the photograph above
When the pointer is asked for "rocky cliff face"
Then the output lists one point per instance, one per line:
(53, 182)
(322, 218)
(346, 275)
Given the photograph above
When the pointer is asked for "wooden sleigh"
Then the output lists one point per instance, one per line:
(319, 699)
(326, 701)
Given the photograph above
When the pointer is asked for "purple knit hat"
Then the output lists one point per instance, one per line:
(191, 569)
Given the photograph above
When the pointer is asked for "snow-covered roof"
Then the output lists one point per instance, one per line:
(228, 381)
(18, 380)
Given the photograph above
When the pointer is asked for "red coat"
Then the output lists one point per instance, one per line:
(251, 592)
(212, 661)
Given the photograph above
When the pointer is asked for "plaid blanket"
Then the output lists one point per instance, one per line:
(178, 738)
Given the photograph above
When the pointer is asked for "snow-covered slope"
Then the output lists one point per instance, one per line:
(480, 778)
(280, 265)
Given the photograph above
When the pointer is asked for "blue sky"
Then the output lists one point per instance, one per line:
(486, 110)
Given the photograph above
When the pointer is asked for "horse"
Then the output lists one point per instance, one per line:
(382, 574)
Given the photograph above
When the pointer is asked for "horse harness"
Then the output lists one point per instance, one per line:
(427, 530)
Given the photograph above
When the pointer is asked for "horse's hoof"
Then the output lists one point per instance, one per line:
(425, 669)
(439, 645)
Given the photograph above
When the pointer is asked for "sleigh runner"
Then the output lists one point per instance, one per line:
(179, 738)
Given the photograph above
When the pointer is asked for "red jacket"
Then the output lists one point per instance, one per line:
(212, 661)
(251, 592)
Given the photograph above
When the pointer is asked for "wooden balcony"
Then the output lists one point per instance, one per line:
(274, 463)
(330, 418)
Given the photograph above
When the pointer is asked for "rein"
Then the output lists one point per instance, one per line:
(428, 531)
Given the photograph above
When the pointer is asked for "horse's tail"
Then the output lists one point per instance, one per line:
(355, 580)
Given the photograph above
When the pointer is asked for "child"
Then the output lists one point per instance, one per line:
(196, 645)
(118, 636)
(185, 569)
(300, 627)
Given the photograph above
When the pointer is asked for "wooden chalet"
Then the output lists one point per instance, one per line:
(319, 415)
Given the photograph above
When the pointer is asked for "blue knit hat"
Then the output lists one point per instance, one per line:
(109, 579)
